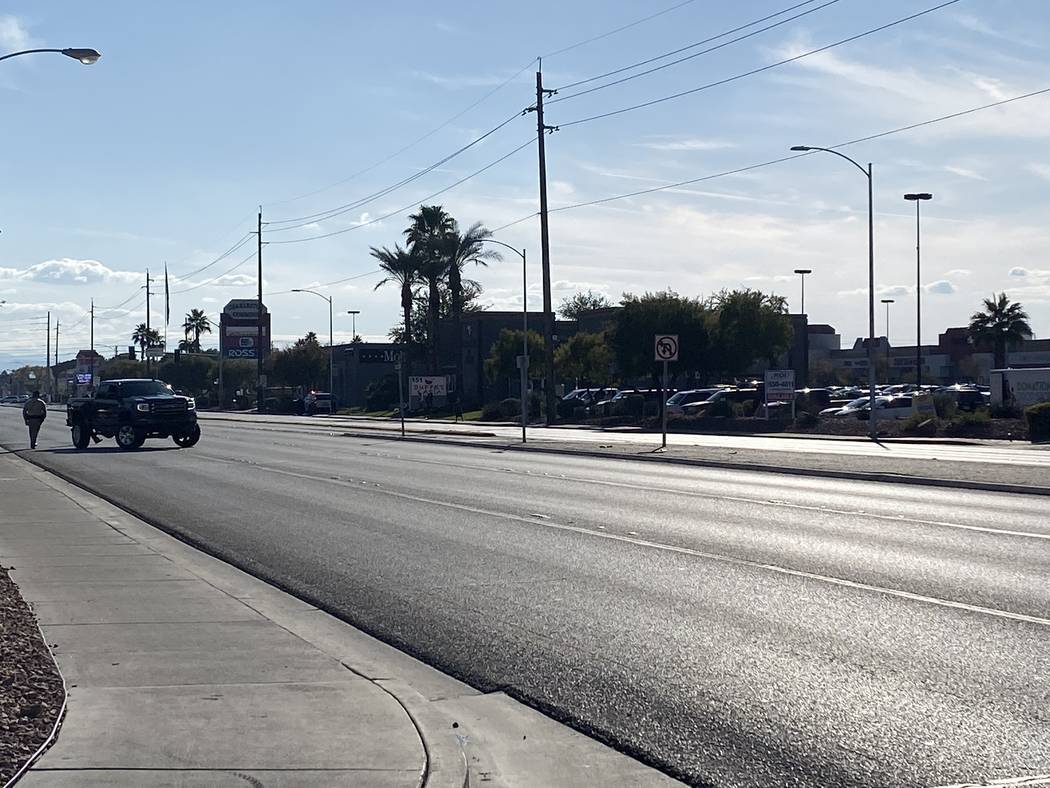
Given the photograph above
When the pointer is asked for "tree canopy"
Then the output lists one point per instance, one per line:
(502, 360)
(578, 303)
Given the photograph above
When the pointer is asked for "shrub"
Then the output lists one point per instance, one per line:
(382, 393)
(920, 424)
(806, 419)
(722, 408)
(977, 417)
(1004, 411)
(491, 412)
(1038, 419)
(945, 405)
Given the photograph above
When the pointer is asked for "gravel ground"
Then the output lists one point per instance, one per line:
(30, 687)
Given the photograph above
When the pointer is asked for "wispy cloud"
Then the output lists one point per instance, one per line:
(1042, 170)
(685, 144)
(13, 34)
(977, 25)
(68, 271)
(460, 81)
(964, 172)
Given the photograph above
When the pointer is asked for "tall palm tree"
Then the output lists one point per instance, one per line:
(1002, 323)
(145, 337)
(424, 236)
(197, 322)
(402, 268)
(458, 250)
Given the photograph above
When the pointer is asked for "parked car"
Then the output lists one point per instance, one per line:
(582, 399)
(676, 404)
(726, 395)
(850, 410)
(896, 408)
(318, 402)
(967, 398)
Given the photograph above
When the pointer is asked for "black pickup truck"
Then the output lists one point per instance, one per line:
(131, 411)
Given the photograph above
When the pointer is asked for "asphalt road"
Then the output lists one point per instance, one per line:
(732, 627)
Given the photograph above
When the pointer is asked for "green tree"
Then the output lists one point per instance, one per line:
(194, 374)
(502, 361)
(579, 303)
(586, 358)
(1002, 324)
(419, 328)
(145, 337)
(643, 317)
(196, 323)
(303, 364)
(424, 235)
(745, 326)
(117, 368)
(402, 269)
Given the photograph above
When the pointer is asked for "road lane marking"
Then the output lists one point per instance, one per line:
(1011, 782)
(897, 519)
(731, 560)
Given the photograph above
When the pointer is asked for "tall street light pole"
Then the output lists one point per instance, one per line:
(331, 347)
(918, 198)
(353, 318)
(524, 370)
(86, 56)
(802, 273)
(887, 302)
(872, 426)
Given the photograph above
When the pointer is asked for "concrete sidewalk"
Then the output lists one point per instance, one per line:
(184, 671)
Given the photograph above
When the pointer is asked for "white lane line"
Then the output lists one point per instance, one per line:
(1011, 782)
(731, 560)
(896, 519)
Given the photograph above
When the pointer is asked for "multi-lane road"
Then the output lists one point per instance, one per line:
(732, 627)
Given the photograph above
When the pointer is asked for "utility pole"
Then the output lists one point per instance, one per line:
(48, 356)
(57, 322)
(91, 385)
(259, 336)
(146, 344)
(545, 251)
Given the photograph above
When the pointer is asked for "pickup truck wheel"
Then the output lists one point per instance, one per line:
(187, 439)
(81, 435)
(128, 437)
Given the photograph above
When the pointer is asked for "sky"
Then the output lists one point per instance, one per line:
(200, 112)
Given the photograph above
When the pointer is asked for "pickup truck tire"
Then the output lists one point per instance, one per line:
(81, 435)
(187, 439)
(129, 437)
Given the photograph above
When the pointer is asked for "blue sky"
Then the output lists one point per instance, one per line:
(163, 151)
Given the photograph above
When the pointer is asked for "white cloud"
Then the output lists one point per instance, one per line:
(956, 273)
(13, 34)
(940, 287)
(1042, 170)
(458, 81)
(685, 144)
(68, 271)
(964, 172)
(1020, 272)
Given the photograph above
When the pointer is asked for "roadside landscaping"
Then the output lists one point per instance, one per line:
(31, 691)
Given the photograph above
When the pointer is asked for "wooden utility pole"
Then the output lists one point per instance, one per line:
(545, 252)
(50, 388)
(259, 335)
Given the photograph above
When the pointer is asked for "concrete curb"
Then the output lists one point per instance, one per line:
(865, 476)
(446, 765)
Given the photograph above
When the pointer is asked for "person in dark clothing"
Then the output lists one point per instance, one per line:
(34, 412)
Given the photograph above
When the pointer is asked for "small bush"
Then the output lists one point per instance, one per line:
(806, 419)
(968, 419)
(491, 412)
(1004, 411)
(723, 408)
(920, 424)
(945, 405)
(1038, 420)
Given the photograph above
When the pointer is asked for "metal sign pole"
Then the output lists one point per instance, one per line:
(663, 409)
(401, 394)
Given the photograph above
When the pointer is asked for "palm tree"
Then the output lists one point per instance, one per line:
(458, 250)
(145, 337)
(196, 321)
(402, 268)
(1002, 323)
(424, 235)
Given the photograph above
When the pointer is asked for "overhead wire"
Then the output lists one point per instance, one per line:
(214, 279)
(431, 196)
(375, 272)
(680, 60)
(781, 159)
(686, 48)
(759, 70)
(620, 29)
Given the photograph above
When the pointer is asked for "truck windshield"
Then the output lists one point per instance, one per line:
(144, 388)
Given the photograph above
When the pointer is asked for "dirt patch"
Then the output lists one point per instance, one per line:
(31, 691)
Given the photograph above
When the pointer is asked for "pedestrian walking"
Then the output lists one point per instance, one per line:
(34, 412)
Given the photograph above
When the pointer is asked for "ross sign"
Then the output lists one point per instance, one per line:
(665, 347)
(420, 386)
(239, 329)
(780, 385)
(243, 309)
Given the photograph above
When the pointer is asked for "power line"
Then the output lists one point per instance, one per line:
(213, 279)
(707, 51)
(412, 144)
(620, 29)
(462, 180)
(780, 160)
(241, 242)
(341, 209)
(736, 77)
(375, 272)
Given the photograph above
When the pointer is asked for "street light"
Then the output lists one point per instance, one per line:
(86, 56)
(524, 333)
(872, 427)
(331, 346)
(917, 198)
(353, 317)
(887, 302)
(802, 273)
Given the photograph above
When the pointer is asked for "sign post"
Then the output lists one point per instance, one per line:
(401, 394)
(665, 349)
